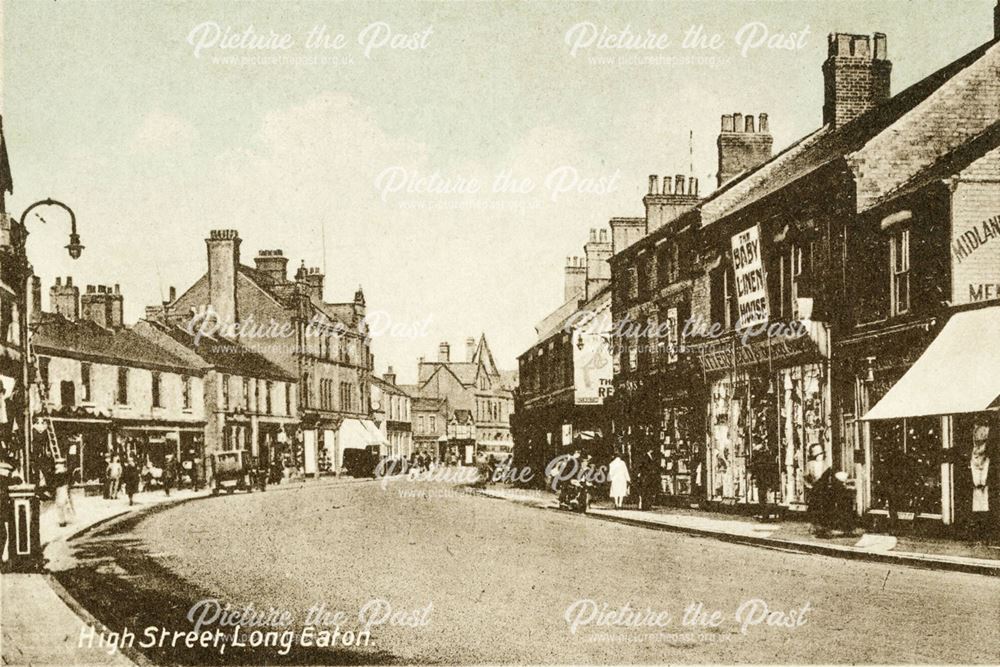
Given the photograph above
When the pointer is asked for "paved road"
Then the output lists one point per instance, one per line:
(499, 578)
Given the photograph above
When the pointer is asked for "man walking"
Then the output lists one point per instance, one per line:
(114, 477)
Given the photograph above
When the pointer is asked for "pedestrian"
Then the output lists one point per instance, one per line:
(649, 479)
(170, 473)
(7, 472)
(130, 478)
(105, 480)
(114, 477)
(60, 481)
(620, 479)
(764, 471)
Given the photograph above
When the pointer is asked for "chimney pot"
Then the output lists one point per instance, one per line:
(679, 184)
(748, 119)
(653, 178)
(668, 186)
(593, 235)
(763, 124)
(727, 122)
(737, 122)
(693, 186)
(58, 281)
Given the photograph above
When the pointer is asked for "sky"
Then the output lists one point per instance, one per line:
(446, 156)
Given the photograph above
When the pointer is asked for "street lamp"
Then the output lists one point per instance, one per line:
(25, 544)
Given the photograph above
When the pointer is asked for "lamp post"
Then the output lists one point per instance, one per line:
(25, 546)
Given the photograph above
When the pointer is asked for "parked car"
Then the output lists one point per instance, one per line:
(235, 470)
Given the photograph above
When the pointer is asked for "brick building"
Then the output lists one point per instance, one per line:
(288, 322)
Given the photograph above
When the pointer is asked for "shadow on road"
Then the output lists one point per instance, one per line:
(121, 584)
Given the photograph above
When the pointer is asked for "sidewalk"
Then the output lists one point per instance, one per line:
(40, 626)
(789, 535)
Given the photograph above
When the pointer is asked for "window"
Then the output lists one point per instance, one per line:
(67, 394)
(225, 392)
(899, 275)
(85, 384)
(121, 396)
(186, 393)
(268, 388)
(420, 424)
(43, 372)
(288, 398)
(247, 404)
(157, 394)
(633, 283)
(433, 423)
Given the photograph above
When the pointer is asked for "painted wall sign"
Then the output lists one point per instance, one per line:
(751, 284)
(975, 243)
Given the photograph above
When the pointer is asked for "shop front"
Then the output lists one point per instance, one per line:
(768, 417)
(933, 433)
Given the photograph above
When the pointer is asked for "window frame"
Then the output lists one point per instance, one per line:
(899, 276)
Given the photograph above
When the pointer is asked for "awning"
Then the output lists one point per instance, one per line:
(359, 434)
(959, 372)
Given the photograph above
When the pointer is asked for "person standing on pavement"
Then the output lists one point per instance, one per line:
(114, 477)
(60, 481)
(170, 473)
(649, 479)
(130, 478)
(620, 479)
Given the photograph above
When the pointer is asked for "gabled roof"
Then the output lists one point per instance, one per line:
(57, 336)
(462, 416)
(464, 371)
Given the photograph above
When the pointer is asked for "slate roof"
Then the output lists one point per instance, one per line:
(228, 356)
(58, 336)
(828, 144)
(389, 387)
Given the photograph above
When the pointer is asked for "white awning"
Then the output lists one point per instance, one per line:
(959, 372)
(359, 434)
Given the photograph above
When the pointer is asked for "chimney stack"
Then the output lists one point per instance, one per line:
(598, 252)
(101, 306)
(273, 264)
(172, 294)
(576, 279)
(855, 76)
(444, 353)
(389, 375)
(741, 147)
(65, 299)
(36, 298)
(470, 349)
(314, 280)
(223, 267)
(117, 307)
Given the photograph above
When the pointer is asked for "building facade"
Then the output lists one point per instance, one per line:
(392, 413)
(288, 322)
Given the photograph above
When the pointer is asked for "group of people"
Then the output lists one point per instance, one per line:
(127, 476)
(647, 486)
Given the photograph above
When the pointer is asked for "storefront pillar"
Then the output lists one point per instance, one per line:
(947, 487)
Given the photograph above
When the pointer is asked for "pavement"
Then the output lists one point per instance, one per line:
(791, 535)
(41, 623)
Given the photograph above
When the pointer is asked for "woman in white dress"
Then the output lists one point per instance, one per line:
(618, 474)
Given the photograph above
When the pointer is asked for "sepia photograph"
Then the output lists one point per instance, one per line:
(499, 332)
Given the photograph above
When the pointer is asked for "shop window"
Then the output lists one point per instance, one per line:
(121, 395)
(899, 275)
(156, 390)
(906, 465)
(85, 383)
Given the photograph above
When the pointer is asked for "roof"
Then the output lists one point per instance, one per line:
(228, 356)
(58, 336)
(600, 300)
(828, 144)
(425, 403)
(462, 416)
(388, 387)
(465, 371)
(509, 379)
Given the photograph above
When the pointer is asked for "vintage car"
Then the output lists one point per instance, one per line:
(234, 470)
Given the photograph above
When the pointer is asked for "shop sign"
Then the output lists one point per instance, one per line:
(732, 354)
(748, 271)
(975, 244)
(593, 367)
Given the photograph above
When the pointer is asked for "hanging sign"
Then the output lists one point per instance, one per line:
(751, 284)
